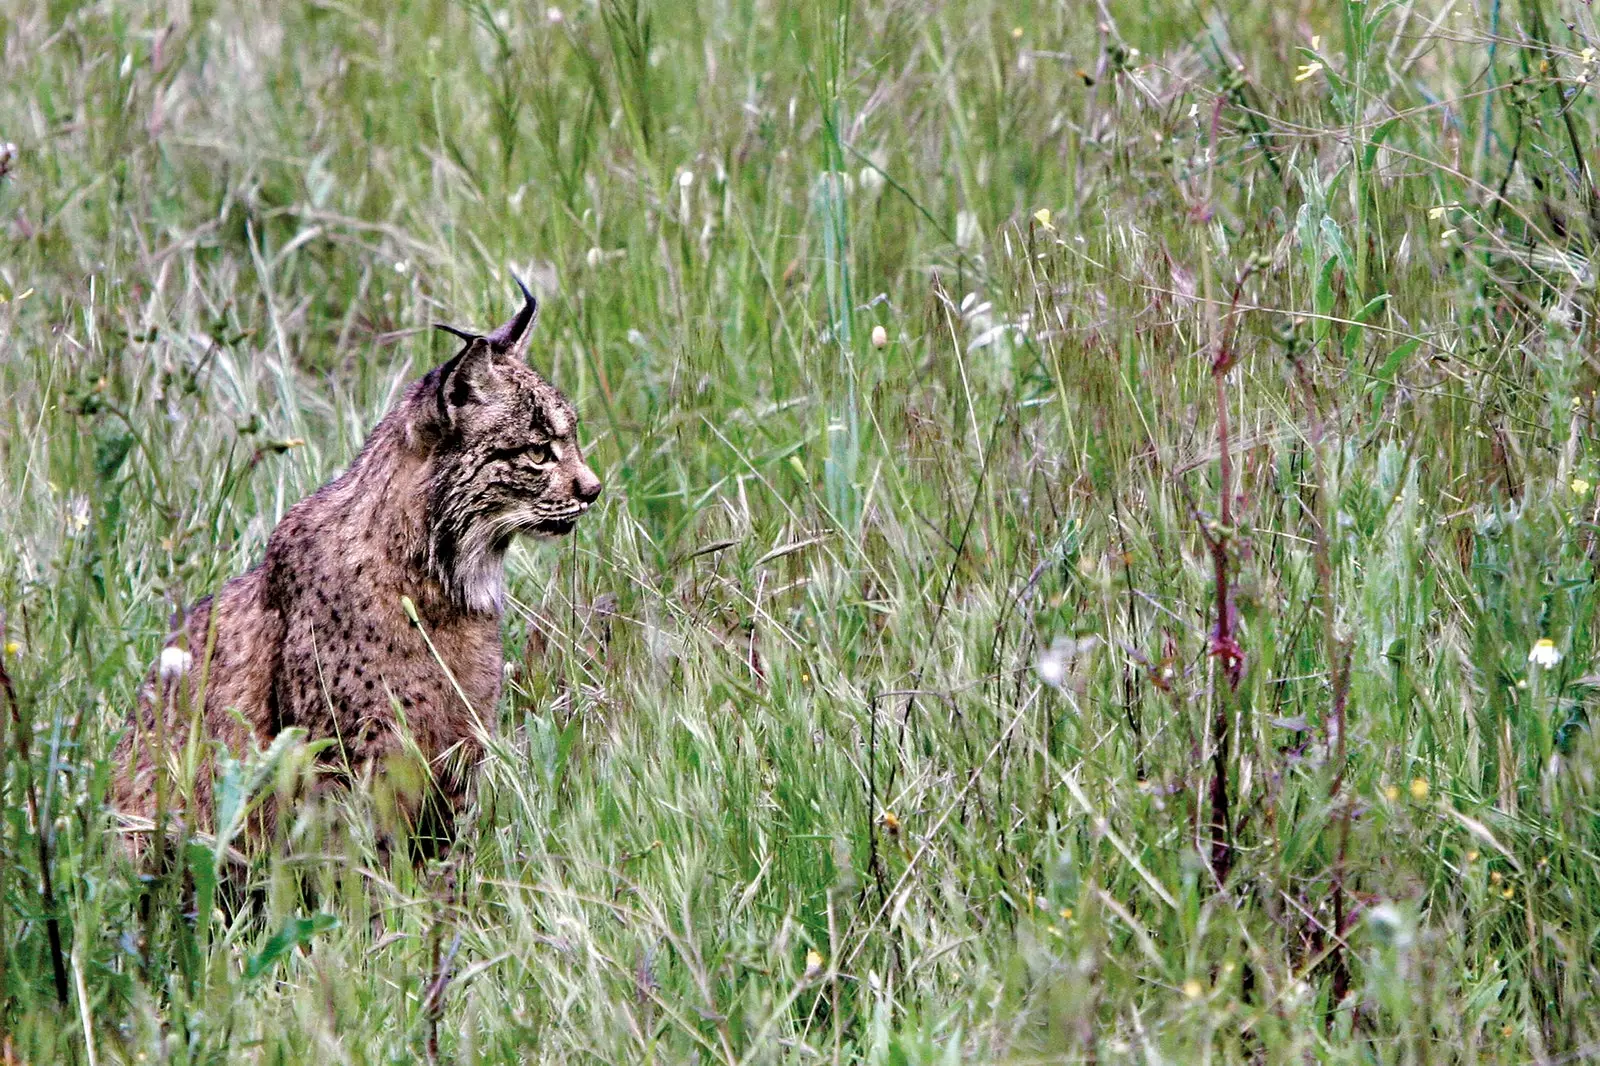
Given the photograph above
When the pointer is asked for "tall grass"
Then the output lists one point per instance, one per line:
(1128, 659)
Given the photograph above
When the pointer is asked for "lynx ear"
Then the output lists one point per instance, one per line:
(464, 379)
(508, 337)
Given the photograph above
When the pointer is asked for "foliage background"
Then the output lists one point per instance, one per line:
(881, 712)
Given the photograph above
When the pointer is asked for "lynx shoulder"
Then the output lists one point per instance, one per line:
(478, 451)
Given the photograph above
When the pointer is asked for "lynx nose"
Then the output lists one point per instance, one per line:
(586, 486)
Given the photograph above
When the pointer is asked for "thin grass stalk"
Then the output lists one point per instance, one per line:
(23, 729)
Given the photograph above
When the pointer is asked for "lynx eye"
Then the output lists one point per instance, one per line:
(540, 453)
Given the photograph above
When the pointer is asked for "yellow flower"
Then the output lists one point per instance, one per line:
(1580, 487)
(1544, 653)
(1391, 793)
(1419, 789)
(1042, 216)
(813, 964)
(1437, 212)
(12, 647)
(1193, 988)
(1308, 70)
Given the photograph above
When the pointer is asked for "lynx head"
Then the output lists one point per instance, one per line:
(505, 460)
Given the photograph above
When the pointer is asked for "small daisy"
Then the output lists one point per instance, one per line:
(1544, 653)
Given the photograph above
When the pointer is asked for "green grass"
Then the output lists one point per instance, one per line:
(904, 654)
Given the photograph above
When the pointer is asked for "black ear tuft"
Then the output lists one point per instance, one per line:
(506, 337)
(463, 334)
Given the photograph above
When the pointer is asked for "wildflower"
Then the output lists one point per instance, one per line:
(1042, 216)
(813, 964)
(12, 647)
(554, 16)
(1063, 658)
(1308, 70)
(175, 662)
(594, 257)
(1391, 793)
(1316, 41)
(1472, 856)
(1419, 789)
(1193, 988)
(1580, 487)
(1066, 914)
(966, 229)
(1544, 653)
(1444, 238)
(1389, 926)
(880, 337)
(1016, 34)
(1436, 213)
(401, 266)
(1052, 664)
(1507, 892)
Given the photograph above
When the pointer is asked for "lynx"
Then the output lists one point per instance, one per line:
(373, 621)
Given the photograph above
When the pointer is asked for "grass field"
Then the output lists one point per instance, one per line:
(1098, 561)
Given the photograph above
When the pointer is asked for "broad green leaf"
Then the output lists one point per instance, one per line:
(1322, 301)
(295, 932)
(1383, 380)
(1369, 310)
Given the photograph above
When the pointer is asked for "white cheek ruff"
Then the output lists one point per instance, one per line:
(486, 592)
(175, 662)
(483, 583)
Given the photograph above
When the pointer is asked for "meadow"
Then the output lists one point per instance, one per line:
(1099, 552)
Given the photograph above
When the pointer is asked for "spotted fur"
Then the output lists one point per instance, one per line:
(478, 451)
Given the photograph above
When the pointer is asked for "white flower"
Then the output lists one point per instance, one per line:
(880, 337)
(1056, 663)
(966, 229)
(1389, 926)
(871, 180)
(594, 257)
(175, 662)
(1544, 653)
